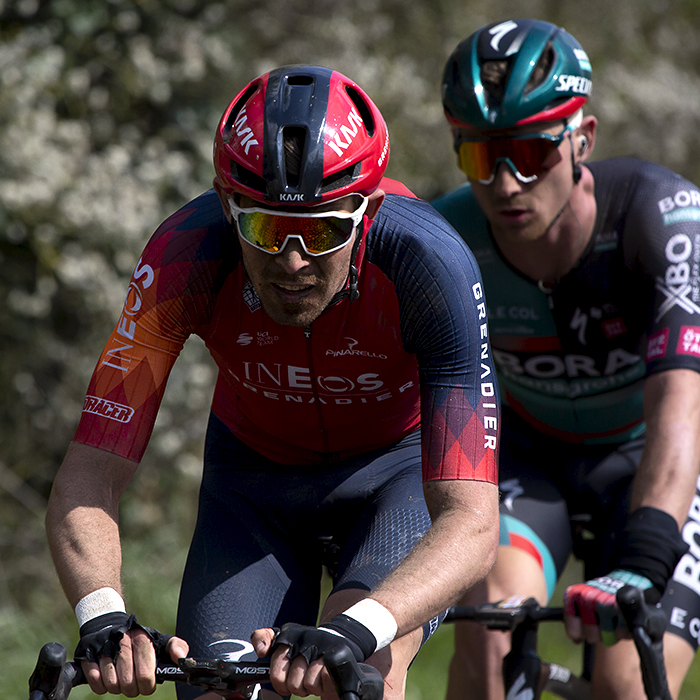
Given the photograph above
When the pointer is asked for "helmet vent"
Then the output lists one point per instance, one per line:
(340, 179)
(362, 108)
(294, 140)
(493, 77)
(247, 178)
(542, 69)
(233, 114)
(302, 80)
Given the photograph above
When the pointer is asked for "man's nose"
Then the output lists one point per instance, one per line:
(505, 182)
(292, 258)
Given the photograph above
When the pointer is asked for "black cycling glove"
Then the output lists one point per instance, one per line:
(102, 636)
(314, 642)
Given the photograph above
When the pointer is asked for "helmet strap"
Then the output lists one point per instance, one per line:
(351, 291)
(354, 274)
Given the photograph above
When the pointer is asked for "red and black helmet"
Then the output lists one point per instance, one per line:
(341, 138)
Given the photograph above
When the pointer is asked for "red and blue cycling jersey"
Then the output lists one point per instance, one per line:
(412, 350)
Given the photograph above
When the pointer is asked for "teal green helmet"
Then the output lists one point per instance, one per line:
(546, 76)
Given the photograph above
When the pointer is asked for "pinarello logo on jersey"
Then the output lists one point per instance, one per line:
(352, 350)
(108, 409)
(656, 347)
(689, 341)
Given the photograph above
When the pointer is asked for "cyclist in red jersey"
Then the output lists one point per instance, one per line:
(590, 272)
(355, 404)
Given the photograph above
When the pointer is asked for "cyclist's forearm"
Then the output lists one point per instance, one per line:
(669, 467)
(82, 521)
(456, 553)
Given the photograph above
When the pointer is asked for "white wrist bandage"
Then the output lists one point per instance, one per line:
(376, 618)
(99, 602)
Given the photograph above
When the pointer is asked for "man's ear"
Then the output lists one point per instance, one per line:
(585, 138)
(223, 198)
(375, 201)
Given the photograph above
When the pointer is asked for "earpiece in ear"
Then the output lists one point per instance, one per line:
(583, 147)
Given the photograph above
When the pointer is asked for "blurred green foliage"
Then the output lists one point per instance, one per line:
(107, 112)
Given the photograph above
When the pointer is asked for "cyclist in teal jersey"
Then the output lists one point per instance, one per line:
(593, 294)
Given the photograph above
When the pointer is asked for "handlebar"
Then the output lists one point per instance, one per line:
(54, 677)
(645, 622)
(504, 616)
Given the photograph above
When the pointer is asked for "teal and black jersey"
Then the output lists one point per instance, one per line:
(572, 360)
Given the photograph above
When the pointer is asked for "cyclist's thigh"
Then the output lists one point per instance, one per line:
(251, 563)
(601, 505)
(241, 574)
(383, 511)
(534, 513)
(386, 517)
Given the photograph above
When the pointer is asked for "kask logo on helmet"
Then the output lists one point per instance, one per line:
(244, 133)
(348, 132)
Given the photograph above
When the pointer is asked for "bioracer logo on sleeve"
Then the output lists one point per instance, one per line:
(108, 409)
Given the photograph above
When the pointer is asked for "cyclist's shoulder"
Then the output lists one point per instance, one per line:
(410, 221)
(647, 202)
(191, 251)
(409, 239)
(404, 210)
(641, 179)
(199, 218)
(197, 232)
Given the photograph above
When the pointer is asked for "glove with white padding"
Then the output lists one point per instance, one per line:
(102, 636)
(365, 628)
(649, 549)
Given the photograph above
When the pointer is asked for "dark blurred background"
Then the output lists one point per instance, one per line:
(107, 115)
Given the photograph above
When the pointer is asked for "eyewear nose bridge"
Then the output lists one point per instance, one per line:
(511, 166)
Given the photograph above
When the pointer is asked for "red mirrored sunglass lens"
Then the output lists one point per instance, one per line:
(269, 232)
(478, 159)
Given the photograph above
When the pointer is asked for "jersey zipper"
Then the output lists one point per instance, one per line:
(314, 386)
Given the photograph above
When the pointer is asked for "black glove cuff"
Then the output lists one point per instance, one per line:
(312, 642)
(356, 632)
(102, 636)
(651, 545)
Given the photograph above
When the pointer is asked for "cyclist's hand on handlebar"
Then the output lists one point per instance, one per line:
(590, 610)
(133, 671)
(119, 655)
(291, 675)
(296, 666)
